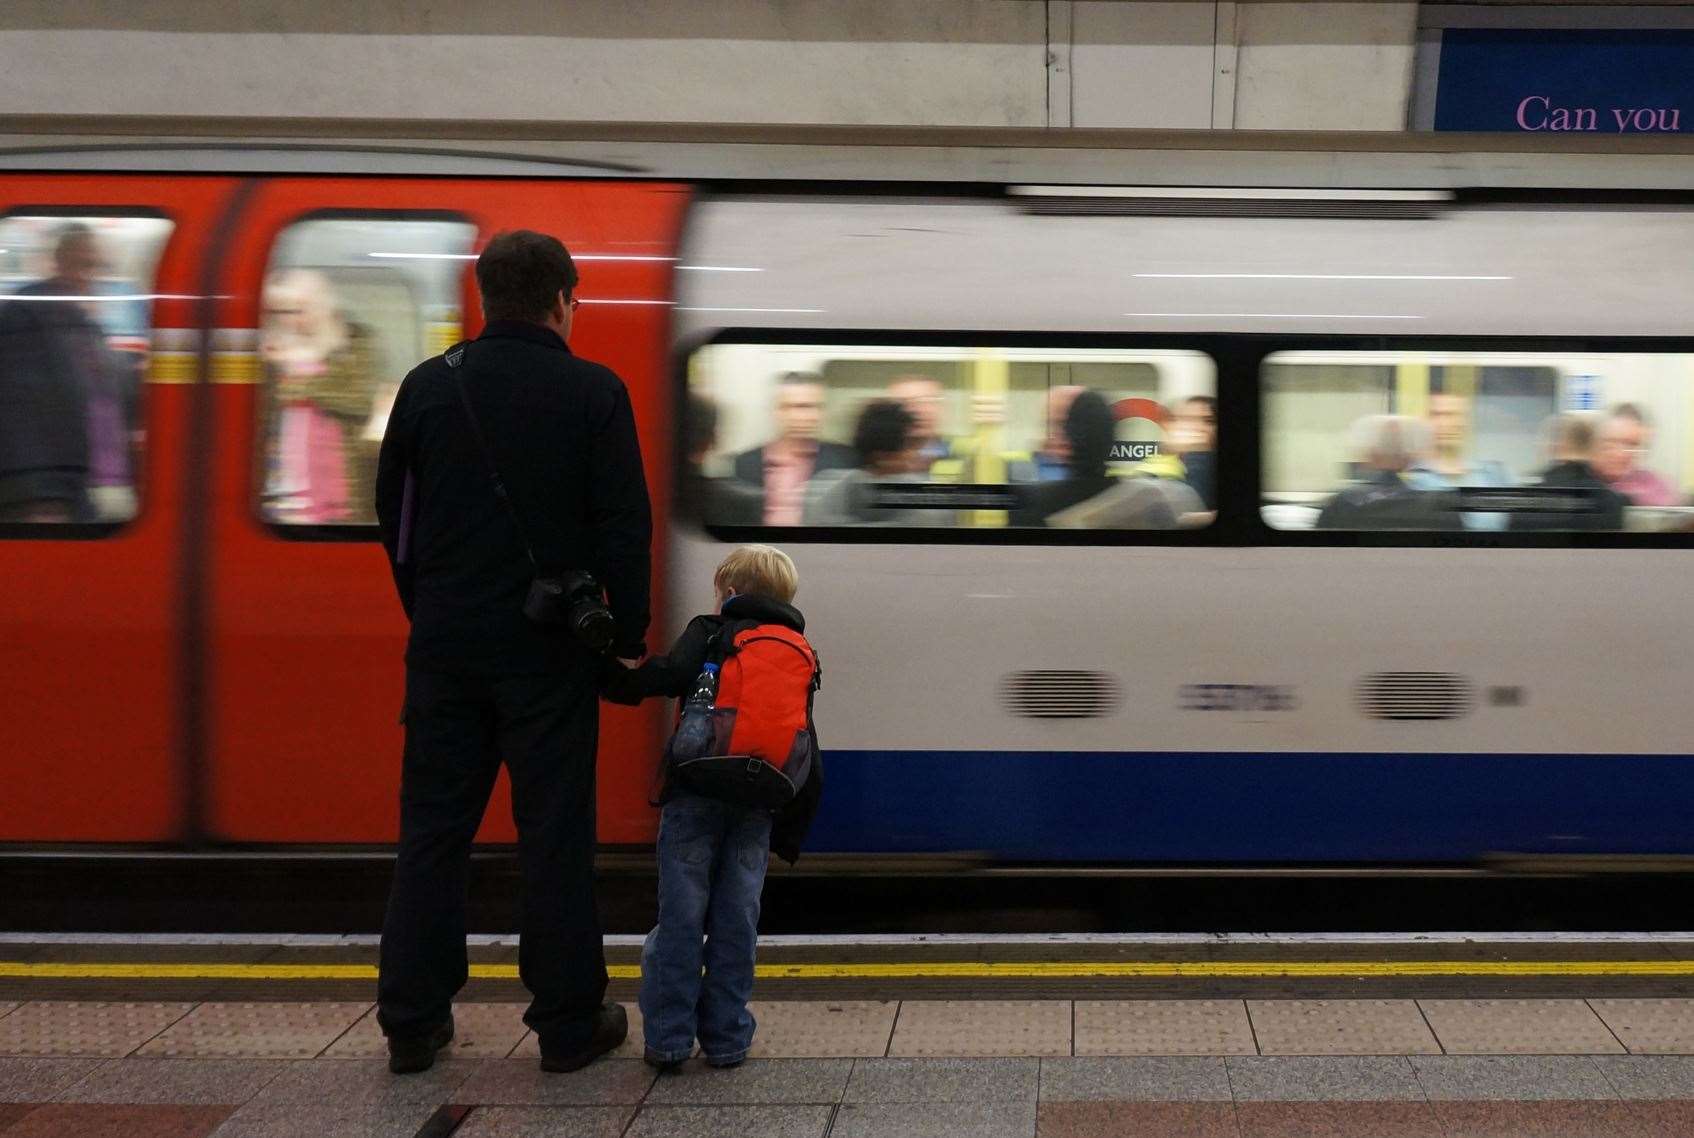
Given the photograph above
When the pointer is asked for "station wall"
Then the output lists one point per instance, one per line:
(940, 62)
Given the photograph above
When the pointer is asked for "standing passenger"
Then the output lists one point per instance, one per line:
(67, 402)
(783, 466)
(484, 683)
(321, 371)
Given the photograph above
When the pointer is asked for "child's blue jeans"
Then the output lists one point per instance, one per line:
(712, 859)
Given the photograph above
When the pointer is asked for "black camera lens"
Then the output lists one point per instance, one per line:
(592, 624)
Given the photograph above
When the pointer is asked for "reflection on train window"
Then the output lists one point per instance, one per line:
(839, 435)
(350, 305)
(1514, 441)
(76, 297)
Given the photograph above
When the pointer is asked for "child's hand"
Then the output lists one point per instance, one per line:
(614, 682)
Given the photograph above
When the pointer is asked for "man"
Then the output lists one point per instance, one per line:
(782, 467)
(1449, 464)
(957, 458)
(1592, 505)
(67, 401)
(924, 397)
(1052, 460)
(1389, 445)
(1188, 454)
(485, 684)
(1624, 438)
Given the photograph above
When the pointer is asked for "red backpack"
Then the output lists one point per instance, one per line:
(763, 745)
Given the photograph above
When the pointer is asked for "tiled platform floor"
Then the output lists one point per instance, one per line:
(1036, 1069)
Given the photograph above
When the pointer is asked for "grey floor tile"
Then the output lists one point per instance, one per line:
(522, 1082)
(756, 1081)
(325, 1120)
(1511, 1077)
(38, 1080)
(935, 1120)
(741, 1121)
(943, 1080)
(545, 1122)
(1649, 1076)
(1323, 1078)
(362, 1082)
(228, 1082)
(1135, 1078)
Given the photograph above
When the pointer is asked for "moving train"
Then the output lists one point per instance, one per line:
(216, 666)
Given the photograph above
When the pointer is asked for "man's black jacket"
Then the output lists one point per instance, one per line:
(674, 673)
(563, 436)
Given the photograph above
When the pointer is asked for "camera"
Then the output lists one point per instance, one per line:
(575, 602)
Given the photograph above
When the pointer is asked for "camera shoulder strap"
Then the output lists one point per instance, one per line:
(455, 358)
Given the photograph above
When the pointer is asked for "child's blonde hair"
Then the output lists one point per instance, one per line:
(763, 570)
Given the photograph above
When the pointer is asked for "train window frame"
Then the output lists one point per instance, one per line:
(330, 532)
(1209, 346)
(1269, 345)
(101, 530)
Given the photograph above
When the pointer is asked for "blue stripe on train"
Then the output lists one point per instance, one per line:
(1252, 807)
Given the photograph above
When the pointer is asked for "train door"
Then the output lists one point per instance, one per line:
(337, 287)
(101, 295)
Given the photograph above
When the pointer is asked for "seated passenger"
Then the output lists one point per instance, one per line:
(1383, 499)
(781, 468)
(1624, 438)
(1447, 466)
(889, 448)
(1594, 506)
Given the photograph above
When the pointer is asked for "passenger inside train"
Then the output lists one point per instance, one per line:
(349, 305)
(73, 350)
(1479, 441)
(957, 437)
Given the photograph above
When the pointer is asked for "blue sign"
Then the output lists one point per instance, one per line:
(1566, 80)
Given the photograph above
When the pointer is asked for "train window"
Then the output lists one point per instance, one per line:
(350, 304)
(76, 294)
(1516, 441)
(900, 435)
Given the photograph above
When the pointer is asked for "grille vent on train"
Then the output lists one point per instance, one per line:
(1145, 201)
(1415, 695)
(1061, 694)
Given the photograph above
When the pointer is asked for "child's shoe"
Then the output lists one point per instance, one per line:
(659, 1063)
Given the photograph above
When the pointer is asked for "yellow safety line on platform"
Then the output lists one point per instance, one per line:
(915, 970)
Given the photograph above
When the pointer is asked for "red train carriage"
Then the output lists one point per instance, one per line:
(208, 670)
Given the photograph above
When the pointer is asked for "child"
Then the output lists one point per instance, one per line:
(712, 851)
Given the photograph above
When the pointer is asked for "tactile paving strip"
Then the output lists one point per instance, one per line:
(110, 1030)
(480, 1031)
(1647, 1027)
(982, 1027)
(1341, 1027)
(264, 1031)
(1163, 1027)
(837, 1029)
(1518, 1027)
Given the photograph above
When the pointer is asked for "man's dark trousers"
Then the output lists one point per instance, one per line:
(459, 728)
